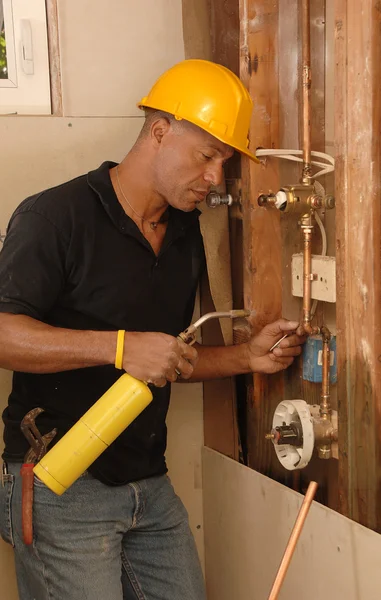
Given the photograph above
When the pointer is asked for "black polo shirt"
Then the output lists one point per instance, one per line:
(72, 258)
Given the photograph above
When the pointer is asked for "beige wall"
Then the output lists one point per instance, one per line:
(111, 54)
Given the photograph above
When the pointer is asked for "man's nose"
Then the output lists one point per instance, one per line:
(214, 174)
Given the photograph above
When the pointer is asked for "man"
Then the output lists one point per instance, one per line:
(119, 249)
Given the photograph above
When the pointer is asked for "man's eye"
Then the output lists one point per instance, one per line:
(206, 157)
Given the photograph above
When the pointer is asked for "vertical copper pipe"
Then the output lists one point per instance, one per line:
(307, 228)
(307, 268)
(306, 221)
(295, 534)
(306, 60)
(325, 405)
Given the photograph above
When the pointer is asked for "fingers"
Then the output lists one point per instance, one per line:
(157, 357)
(186, 362)
(283, 363)
(280, 327)
(189, 353)
(291, 341)
(160, 382)
(285, 325)
(291, 345)
(184, 368)
(182, 364)
(284, 352)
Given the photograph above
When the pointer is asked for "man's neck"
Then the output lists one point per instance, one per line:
(135, 191)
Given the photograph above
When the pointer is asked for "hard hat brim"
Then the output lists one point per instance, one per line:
(144, 104)
(228, 142)
(249, 154)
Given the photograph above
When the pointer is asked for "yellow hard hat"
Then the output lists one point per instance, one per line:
(207, 95)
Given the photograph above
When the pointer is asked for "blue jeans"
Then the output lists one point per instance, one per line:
(102, 543)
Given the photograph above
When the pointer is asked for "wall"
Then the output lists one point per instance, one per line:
(110, 56)
(248, 521)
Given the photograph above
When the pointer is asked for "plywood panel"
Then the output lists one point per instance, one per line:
(224, 24)
(358, 194)
(248, 520)
(196, 28)
(271, 68)
(208, 30)
(112, 52)
(290, 80)
(261, 227)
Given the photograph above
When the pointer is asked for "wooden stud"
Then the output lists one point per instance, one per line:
(358, 219)
(220, 414)
(261, 227)
(54, 57)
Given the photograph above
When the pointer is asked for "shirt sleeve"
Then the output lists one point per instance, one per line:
(32, 265)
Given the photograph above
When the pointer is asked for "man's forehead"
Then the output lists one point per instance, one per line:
(215, 144)
(206, 139)
(220, 147)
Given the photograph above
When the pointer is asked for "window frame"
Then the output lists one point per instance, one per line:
(26, 92)
(11, 80)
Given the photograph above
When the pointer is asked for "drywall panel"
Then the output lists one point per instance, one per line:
(248, 519)
(112, 52)
(185, 440)
(45, 151)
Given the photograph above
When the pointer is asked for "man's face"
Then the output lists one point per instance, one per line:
(187, 163)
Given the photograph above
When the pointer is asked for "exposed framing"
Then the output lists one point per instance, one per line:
(54, 58)
(265, 31)
(358, 241)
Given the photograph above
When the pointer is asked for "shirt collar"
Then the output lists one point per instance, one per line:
(100, 182)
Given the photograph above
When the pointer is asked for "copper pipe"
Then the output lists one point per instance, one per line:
(306, 60)
(325, 405)
(325, 451)
(295, 534)
(307, 239)
(307, 228)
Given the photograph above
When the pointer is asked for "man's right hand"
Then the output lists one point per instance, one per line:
(155, 357)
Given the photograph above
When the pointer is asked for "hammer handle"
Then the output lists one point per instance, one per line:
(27, 477)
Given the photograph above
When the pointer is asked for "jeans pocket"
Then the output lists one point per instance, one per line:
(6, 491)
(38, 482)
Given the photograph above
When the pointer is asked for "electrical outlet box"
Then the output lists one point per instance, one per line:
(323, 286)
(313, 359)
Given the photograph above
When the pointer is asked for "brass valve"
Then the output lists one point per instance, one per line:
(297, 199)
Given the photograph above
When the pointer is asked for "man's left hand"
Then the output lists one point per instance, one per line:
(261, 360)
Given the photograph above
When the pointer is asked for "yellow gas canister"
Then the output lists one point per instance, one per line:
(93, 433)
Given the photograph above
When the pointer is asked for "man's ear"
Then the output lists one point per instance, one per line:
(159, 129)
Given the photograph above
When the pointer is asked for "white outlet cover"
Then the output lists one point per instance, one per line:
(324, 287)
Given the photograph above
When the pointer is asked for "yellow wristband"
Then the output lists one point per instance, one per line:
(119, 350)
